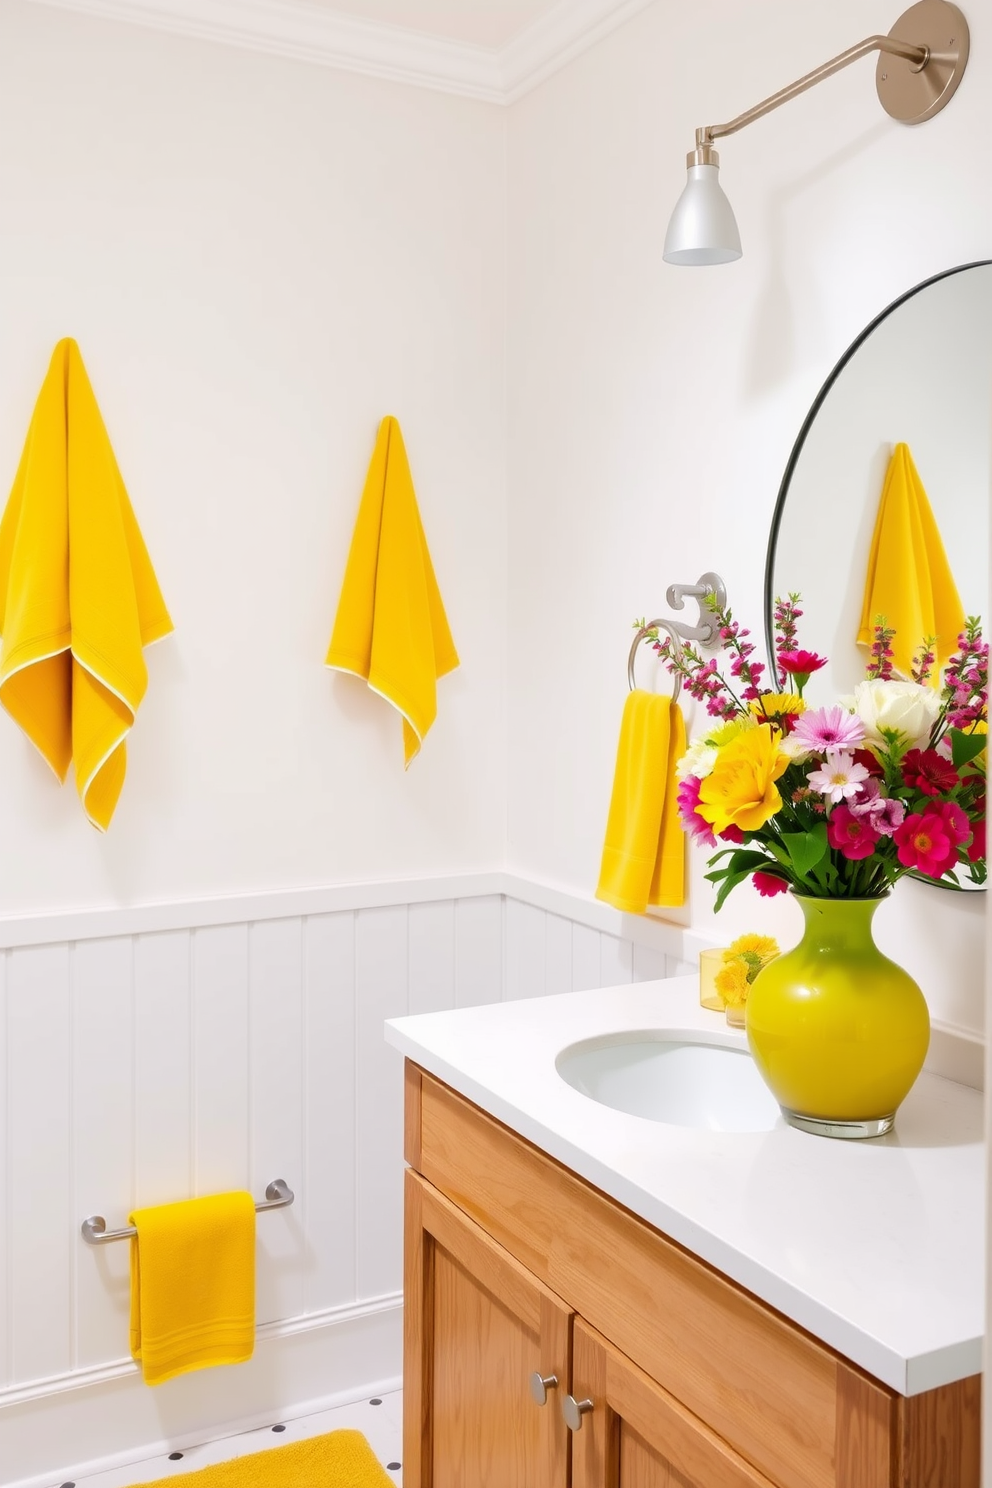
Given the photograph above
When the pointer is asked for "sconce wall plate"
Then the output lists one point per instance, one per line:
(913, 94)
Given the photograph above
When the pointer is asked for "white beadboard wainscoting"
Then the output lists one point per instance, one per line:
(154, 1054)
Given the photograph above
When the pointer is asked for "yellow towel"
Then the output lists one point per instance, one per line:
(78, 595)
(909, 579)
(193, 1285)
(644, 853)
(391, 628)
(342, 1459)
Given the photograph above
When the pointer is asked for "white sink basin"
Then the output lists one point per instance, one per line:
(673, 1078)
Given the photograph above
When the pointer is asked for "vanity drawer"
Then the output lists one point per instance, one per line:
(786, 1403)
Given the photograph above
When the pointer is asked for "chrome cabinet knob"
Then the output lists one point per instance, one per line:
(540, 1384)
(573, 1410)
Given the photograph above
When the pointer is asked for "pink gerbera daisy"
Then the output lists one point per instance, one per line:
(828, 728)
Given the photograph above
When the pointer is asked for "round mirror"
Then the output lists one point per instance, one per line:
(920, 375)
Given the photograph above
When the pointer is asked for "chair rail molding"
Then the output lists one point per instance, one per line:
(309, 32)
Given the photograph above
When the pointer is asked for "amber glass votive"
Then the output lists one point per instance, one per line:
(709, 964)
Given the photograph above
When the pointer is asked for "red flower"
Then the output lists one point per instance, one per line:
(870, 762)
(924, 844)
(852, 835)
(733, 833)
(769, 884)
(800, 663)
(976, 847)
(927, 771)
(956, 823)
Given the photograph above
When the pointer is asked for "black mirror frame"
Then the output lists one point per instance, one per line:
(797, 449)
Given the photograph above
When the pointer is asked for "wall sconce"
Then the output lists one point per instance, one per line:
(922, 61)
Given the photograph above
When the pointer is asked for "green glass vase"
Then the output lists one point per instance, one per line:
(838, 1031)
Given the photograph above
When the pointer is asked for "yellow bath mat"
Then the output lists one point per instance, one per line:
(342, 1459)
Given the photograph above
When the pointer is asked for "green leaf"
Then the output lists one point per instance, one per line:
(730, 882)
(966, 747)
(806, 849)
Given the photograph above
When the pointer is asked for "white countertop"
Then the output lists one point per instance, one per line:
(877, 1248)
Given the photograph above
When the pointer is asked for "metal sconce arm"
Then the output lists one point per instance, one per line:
(932, 37)
(905, 49)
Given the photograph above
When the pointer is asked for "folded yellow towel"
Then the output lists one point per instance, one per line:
(644, 853)
(193, 1285)
(391, 628)
(78, 595)
(909, 579)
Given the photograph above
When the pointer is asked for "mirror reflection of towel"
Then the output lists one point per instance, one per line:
(909, 579)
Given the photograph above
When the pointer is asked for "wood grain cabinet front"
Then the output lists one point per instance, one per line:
(523, 1283)
(634, 1434)
(486, 1358)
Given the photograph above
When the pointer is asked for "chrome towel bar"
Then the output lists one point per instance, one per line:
(94, 1230)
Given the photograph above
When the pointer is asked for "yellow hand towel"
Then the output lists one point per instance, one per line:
(391, 628)
(78, 595)
(909, 579)
(644, 853)
(193, 1285)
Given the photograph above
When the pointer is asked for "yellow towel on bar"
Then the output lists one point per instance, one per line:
(391, 628)
(193, 1285)
(78, 595)
(909, 579)
(644, 853)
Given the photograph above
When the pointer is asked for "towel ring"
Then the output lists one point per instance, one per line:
(642, 635)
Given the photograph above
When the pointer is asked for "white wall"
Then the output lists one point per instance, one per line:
(652, 409)
(259, 259)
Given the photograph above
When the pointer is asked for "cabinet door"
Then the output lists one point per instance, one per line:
(477, 1328)
(633, 1434)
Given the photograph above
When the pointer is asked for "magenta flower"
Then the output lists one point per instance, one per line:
(688, 800)
(828, 728)
(852, 835)
(924, 844)
(955, 819)
(768, 884)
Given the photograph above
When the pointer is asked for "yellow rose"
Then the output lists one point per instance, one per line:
(740, 791)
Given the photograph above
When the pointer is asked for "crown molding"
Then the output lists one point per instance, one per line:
(557, 37)
(305, 31)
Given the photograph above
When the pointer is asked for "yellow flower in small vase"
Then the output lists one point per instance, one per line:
(742, 960)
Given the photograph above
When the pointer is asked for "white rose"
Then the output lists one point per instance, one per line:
(904, 706)
(698, 760)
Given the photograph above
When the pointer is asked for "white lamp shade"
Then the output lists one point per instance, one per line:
(703, 229)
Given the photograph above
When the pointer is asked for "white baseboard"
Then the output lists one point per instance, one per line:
(95, 1420)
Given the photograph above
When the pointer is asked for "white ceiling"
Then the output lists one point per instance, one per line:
(487, 23)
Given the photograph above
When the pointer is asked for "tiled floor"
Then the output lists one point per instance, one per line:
(379, 1419)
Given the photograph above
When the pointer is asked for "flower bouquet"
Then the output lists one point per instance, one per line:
(836, 803)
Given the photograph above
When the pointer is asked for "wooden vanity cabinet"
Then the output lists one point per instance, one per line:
(675, 1377)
